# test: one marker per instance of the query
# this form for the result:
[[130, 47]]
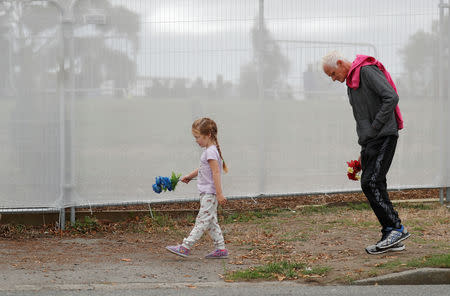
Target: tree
[[35, 27], [421, 62], [198, 88], [179, 88], [275, 67], [95, 55], [31, 30], [5, 48]]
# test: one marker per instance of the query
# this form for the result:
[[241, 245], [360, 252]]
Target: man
[[374, 99]]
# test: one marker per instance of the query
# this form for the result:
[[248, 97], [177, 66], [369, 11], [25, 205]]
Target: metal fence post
[[443, 99], [68, 178], [67, 41], [261, 89], [448, 102]]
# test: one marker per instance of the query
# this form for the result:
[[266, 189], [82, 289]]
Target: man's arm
[[378, 83]]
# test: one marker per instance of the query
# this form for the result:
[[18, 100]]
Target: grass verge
[[439, 261], [277, 271]]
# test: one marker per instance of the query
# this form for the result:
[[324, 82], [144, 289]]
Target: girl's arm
[[214, 164], [186, 179]]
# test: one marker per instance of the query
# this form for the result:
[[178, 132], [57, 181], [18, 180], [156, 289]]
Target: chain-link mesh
[[97, 97]]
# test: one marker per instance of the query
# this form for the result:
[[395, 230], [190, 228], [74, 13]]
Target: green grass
[[248, 216], [417, 206], [351, 223], [295, 237], [327, 209], [360, 206], [319, 270], [20, 228], [274, 270], [390, 264], [418, 228], [87, 225], [308, 210], [162, 220], [439, 260]]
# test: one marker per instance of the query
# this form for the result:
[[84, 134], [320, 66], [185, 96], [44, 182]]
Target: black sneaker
[[373, 250], [394, 237]]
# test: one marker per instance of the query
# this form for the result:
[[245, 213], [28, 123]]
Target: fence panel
[[98, 96]]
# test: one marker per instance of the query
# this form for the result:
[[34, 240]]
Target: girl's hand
[[221, 199], [186, 179]]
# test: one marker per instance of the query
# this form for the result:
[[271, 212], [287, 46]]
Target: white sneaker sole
[[176, 253], [393, 244], [382, 251]]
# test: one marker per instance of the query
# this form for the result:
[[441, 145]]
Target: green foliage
[[436, 260], [439, 260], [418, 206], [174, 179], [162, 220], [276, 270], [275, 65], [362, 206], [248, 216], [319, 270], [88, 225]]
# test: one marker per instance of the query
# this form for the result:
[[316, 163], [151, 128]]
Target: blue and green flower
[[166, 183]]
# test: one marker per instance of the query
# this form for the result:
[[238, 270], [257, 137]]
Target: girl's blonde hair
[[207, 127]]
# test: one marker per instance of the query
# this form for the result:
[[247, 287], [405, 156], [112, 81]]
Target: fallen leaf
[[126, 259]]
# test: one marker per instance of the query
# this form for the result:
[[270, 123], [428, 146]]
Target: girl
[[209, 186]]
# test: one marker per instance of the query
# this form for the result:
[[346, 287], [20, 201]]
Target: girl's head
[[204, 131]]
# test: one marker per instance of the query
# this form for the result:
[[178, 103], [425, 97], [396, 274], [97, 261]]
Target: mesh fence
[[98, 97]]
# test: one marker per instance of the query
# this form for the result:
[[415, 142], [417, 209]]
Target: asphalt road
[[224, 289]]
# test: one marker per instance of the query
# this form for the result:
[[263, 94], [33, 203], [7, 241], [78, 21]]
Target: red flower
[[354, 167]]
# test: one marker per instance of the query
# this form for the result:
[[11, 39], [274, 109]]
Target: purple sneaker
[[179, 250], [217, 254]]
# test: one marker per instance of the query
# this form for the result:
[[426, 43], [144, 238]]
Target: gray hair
[[331, 58]]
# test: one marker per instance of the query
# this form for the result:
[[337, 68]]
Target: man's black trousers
[[376, 158]]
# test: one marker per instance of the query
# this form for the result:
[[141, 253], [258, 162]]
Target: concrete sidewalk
[[170, 273], [225, 289]]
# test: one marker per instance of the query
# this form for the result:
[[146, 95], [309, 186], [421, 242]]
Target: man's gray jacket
[[373, 104]]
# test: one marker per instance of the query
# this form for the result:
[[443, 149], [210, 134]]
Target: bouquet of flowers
[[166, 183], [354, 167]]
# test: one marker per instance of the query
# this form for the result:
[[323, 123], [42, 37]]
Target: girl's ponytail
[[224, 166]]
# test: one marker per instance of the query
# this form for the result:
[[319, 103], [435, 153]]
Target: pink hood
[[353, 79]]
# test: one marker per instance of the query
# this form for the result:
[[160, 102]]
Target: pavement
[[225, 289], [168, 277]]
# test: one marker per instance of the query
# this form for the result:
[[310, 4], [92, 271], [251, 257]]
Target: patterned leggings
[[206, 220]]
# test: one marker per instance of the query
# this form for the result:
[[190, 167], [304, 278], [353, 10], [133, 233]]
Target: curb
[[421, 276], [139, 286]]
